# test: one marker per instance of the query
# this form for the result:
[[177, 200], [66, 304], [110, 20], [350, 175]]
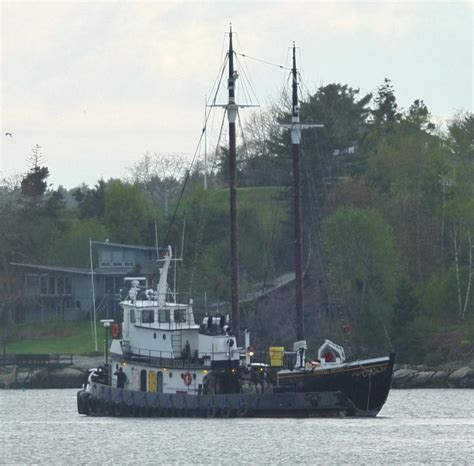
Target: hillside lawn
[[54, 337]]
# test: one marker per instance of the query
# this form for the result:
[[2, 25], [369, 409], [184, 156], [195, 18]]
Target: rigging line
[[268, 255], [218, 81], [202, 218], [242, 83], [246, 78], [244, 140], [262, 61], [186, 179]]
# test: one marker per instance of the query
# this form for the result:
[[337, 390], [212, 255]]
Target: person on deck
[[121, 378]]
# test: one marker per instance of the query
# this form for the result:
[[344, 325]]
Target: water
[[415, 426]]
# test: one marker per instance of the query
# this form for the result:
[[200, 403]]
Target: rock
[[463, 378], [68, 377], [421, 379], [402, 378], [439, 380]]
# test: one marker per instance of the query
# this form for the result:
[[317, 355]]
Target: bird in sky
[[9, 134]]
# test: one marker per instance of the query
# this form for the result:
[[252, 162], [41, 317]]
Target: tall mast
[[295, 127], [234, 259], [298, 235]]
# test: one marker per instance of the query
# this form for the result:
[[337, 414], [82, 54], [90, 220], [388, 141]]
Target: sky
[[99, 84]]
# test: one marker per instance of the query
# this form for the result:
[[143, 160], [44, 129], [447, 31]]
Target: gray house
[[66, 292]]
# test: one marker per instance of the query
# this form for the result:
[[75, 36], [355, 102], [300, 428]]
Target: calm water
[[415, 426]]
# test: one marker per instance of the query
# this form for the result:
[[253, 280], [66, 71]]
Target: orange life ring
[[116, 330], [188, 378]]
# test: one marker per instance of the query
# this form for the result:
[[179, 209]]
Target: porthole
[[164, 336], [171, 375], [154, 336]]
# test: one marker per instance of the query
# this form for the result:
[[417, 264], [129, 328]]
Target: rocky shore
[[426, 377], [66, 377], [404, 377]]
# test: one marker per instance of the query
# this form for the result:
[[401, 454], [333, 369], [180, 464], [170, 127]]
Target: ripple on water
[[415, 426]]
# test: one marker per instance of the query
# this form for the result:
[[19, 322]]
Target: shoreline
[[454, 375], [450, 376]]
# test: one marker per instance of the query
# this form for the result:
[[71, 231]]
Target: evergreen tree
[[386, 107]]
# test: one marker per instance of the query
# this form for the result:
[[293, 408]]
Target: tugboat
[[163, 363]]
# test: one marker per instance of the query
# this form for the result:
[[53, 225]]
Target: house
[[66, 292]]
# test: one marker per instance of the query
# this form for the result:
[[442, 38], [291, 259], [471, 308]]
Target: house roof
[[75, 270], [125, 246], [52, 268]]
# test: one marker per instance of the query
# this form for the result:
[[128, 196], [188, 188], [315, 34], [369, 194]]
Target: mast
[[234, 259], [295, 127], [298, 235]]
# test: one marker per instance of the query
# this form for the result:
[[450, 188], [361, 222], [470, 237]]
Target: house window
[[60, 285], [67, 285], [51, 285], [180, 315], [44, 284], [71, 304], [148, 316], [164, 316]]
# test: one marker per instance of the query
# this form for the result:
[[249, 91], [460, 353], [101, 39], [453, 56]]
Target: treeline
[[389, 218]]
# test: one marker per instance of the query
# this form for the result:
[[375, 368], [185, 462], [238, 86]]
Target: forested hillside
[[389, 220]]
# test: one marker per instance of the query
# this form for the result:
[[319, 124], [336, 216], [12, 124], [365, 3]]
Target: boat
[[163, 363]]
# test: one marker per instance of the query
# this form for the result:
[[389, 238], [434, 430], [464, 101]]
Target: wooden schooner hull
[[365, 384]]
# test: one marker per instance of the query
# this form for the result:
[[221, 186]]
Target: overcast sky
[[98, 84]]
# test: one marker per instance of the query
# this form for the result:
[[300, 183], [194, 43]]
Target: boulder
[[439, 379], [68, 377], [421, 379], [461, 378], [402, 378]]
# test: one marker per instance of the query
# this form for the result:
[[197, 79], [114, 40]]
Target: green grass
[[54, 337]]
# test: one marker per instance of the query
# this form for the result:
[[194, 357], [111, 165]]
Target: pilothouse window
[[164, 316], [180, 315], [148, 316]]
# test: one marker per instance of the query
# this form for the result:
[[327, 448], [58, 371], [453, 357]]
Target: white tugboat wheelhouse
[[159, 346]]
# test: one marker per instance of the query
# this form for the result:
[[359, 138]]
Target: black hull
[[103, 400], [366, 385]]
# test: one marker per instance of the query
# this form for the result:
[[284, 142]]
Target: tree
[[460, 207], [405, 310], [34, 184], [72, 248], [126, 212], [160, 176], [386, 112], [91, 201], [419, 116], [54, 204], [361, 258]]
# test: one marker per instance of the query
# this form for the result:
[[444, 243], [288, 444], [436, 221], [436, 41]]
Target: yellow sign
[[151, 381]]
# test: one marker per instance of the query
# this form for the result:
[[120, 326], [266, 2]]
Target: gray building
[[66, 292]]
